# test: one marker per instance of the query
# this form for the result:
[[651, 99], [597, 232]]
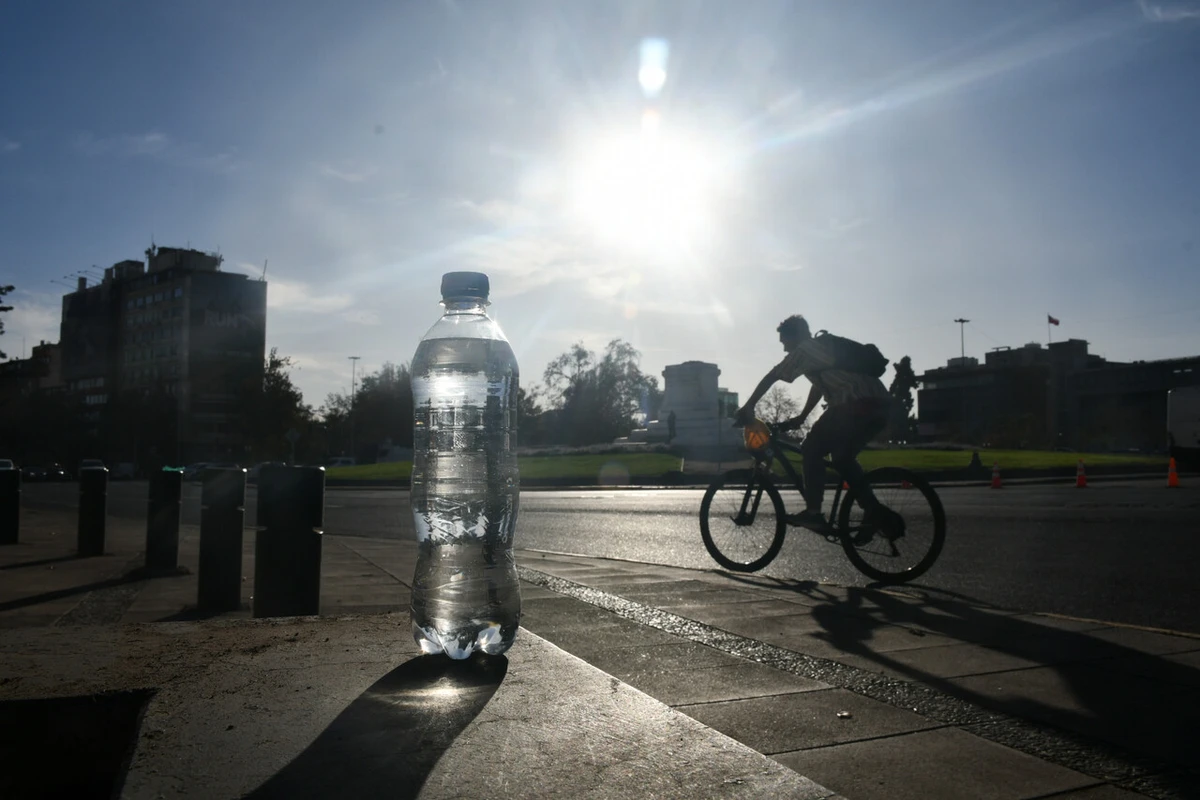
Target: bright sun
[[650, 192]]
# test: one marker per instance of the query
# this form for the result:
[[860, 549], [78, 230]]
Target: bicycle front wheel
[[742, 520], [880, 548]]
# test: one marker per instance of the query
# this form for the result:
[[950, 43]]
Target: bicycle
[[744, 536]]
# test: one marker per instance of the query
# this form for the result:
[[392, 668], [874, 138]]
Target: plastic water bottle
[[465, 485]]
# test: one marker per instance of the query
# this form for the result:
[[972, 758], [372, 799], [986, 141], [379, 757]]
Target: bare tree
[[777, 405]]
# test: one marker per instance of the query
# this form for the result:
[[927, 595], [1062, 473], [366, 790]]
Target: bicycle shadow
[[1076, 680], [387, 742]]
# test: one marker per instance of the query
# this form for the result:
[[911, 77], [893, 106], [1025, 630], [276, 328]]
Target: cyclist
[[857, 410]]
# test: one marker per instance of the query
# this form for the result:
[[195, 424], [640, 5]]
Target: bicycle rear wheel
[[742, 520], [874, 544]]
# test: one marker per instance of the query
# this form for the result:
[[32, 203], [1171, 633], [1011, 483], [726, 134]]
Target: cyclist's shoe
[[813, 520], [881, 520]]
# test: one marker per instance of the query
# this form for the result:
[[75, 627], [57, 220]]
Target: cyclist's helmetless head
[[793, 331]]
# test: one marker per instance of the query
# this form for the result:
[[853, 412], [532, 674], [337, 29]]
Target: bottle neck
[[465, 305]]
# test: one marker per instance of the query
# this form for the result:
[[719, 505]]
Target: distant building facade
[[174, 342], [21, 378], [1055, 396]]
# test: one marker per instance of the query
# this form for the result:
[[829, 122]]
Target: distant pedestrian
[[670, 427]]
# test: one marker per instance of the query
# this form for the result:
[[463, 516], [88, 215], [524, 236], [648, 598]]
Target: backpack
[[853, 356]]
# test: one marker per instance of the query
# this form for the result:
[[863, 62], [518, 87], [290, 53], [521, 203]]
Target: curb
[[702, 481]]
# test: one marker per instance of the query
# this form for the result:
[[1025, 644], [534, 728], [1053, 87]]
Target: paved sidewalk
[[873, 694]]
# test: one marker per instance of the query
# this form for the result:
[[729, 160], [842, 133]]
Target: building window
[[179, 291], [140, 301]]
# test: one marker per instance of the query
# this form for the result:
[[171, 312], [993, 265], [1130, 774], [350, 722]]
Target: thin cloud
[[782, 265], [8, 145], [1155, 12], [945, 79], [347, 175], [294, 296], [361, 317], [159, 146]]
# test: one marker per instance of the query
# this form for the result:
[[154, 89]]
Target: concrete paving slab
[[1085, 699], [615, 633], [315, 706], [714, 684], [668, 659], [683, 601], [1052, 647], [775, 627], [946, 661], [719, 613], [853, 636], [806, 593], [530, 591], [1180, 669], [1105, 792], [560, 610], [1060, 623], [1144, 641], [898, 768], [783, 723], [626, 578]]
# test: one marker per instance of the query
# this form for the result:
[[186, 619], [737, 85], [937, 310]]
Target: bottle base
[[460, 645]]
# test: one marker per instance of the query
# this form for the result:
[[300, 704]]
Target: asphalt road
[[1120, 552]]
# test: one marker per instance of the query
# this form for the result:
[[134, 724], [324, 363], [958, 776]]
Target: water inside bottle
[[465, 491]]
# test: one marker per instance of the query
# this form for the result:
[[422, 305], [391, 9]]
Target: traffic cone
[[845, 485], [1172, 476], [1080, 478], [996, 476], [905, 484]]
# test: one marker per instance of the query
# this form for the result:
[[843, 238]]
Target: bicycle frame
[[770, 454]]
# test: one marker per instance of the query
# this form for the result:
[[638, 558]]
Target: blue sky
[[882, 168]]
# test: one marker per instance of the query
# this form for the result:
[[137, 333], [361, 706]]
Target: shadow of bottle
[[386, 742]]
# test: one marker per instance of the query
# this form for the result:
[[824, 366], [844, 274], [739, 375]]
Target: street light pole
[[962, 342], [353, 364]]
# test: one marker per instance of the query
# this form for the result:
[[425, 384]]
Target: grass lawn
[[934, 460], [614, 467], [391, 471]]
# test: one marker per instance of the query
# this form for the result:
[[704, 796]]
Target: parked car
[[192, 471], [90, 463], [341, 461], [7, 463], [123, 471], [31, 473], [57, 472], [253, 472]]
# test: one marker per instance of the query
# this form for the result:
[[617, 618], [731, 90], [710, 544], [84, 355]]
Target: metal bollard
[[10, 505], [162, 520], [222, 515], [93, 507], [287, 553]]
